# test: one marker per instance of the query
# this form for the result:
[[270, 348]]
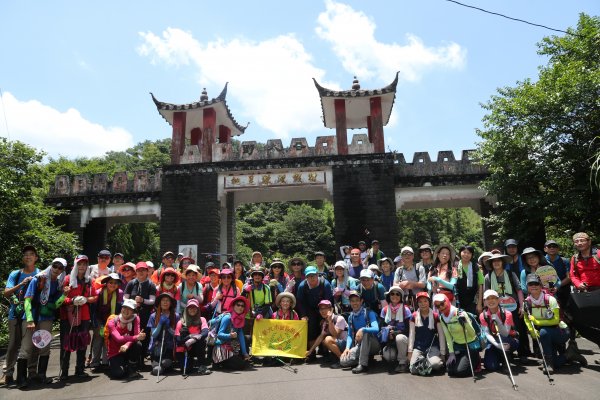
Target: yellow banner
[[278, 338]]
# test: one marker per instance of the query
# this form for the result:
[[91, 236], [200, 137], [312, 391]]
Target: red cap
[[141, 265], [422, 294]]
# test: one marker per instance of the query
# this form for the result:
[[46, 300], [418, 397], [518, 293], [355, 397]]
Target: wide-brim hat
[[531, 250], [129, 303], [257, 270], [169, 296], [112, 275], [445, 246], [505, 260], [340, 264], [127, 265], [171, 271], [277, 262], [237, 300], [192, 268], [227, 271], [394, 289], [388, 259], [293, 259], [289, 295]]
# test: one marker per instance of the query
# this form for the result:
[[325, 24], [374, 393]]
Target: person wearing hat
[[334, 332], [239, 272], [226, 292], [469, 282], [257, 259], [310, 292], [184, 262], [190, 338], [532, 260], [168, 282], [459, 334], [110, 299], [585, 264], [142, 290], [375, 271], [423, 328], [355, 265], [481, 262], [374, 254], [210, 285], [43, 297], [75, 316], [511, 249], [97, 273], [260, 297], [126, 274], [372, 293], [277, 277], [386, 277], [162, 324], [322, 266], [103, 266], [345, 253], [545, 324], [118, 260], [443, 275], [362, 247], [16, 287], [426, 254], [230, 351], [342, 284], [189, 288], [151, 268], [562, 267], [296, 267], [124, 342], [397, 318], [285, 303], [168, 261], [361, 342], [410, 278], [497, 322]]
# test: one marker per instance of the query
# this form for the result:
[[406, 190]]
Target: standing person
[[364, 252], [342, 284], [257, 260], [410, 278], [374, 254], [371, 292], [497, 322], [511, 249], [296, 266], [443, 275], [161, 324], [118, 261], [143, 291], [460, 334], [168, 282], [168, 261], [189, 288], [110, 299], [469, 283], [386, 265], [124, 342], [184, 263], [345, 253], [334, 332], [544, 323], [43, 297], [355, 263], [361, 343], [16, 287], [190, 337], [226, 292], [424, 326], [426, 254], [210, 288], [239, 271], [532, 260], [230, 349], [97, 272], [103, 267], [481, 262], [260, 298], [322, 266], [310, 293], [75, 317], [126, 274], [562, 267], [397, 317], [277, 278]]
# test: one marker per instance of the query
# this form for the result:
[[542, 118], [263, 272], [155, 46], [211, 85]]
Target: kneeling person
[[190, 335], [334, 332], [123, 341], [496, 321]]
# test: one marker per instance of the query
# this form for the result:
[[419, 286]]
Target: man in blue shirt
[[372, 293], [311, 291], [362, 342]]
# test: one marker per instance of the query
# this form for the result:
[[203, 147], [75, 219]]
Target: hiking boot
[[360, 369], [203, 370], [41, 370], [573, 354], [22, 381], [80, 373], [6, 380], [401, 368], [336, 365]]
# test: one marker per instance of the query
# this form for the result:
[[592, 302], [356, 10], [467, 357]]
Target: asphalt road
[[317, 381]]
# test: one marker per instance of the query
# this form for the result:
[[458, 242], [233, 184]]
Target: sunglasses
[[296, 263], [126, 269], [226, 277], [407, 253], [58, 266], [437, 304], [239, 305], [279, 266], [533, 284], [395, 294]]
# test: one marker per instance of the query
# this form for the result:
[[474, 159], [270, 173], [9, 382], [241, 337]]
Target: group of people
[[445, 311]]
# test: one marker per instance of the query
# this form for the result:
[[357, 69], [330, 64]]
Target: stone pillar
[[178, 141], [94, 238], [376, 125], [341, 133], [364, 200], [190, 211], [230, 224], [208, 133], [224, 134], [488, 232]]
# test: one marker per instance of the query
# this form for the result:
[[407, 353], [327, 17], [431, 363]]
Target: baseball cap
[[141, 265], [310, 271], [366, 273], [407, 248], [61, 261], [104, 253], [168, 253], [324, 303], [511, 242], [550, 242], [490, 293], [533, 278], [319, 253]]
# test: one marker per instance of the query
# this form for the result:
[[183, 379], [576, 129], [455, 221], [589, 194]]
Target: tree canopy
[[540, 140]]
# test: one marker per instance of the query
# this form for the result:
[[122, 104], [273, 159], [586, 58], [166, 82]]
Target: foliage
[[539, 141], [136, 241]]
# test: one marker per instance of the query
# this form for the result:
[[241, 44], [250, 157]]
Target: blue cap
[[310, 271]]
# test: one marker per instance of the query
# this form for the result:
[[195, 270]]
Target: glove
[[259, 317], [532, 318], [451, 359], [248, 288], [79, 300], [190, 342], [273, 283], [164, 320]]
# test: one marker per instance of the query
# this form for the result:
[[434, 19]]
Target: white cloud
[[272, 79], [352, 35], [60, 133]]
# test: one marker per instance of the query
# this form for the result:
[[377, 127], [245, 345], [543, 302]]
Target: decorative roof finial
[[355, 84], [204, 96]]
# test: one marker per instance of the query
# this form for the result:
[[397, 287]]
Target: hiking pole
[[537, 339], [162, 343], [285, 365], [512, 379], [184, 372], [461, 320]]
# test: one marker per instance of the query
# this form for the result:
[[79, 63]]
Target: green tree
[[539, 141]]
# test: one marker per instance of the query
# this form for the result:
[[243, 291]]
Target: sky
[[75, 76]]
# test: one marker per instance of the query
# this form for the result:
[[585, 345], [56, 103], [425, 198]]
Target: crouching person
[[334, 332], [460, 336], [426, 338], [124, 342], [397, 317], [162, 324], [496, 321], [230, 346], [190, 335], [362, 342]]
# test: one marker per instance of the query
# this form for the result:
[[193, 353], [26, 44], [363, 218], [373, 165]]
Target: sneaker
[[360, 369], [80, 373], [336, 365], [572, 354], [401, 368], [7, 380], [203, 370]]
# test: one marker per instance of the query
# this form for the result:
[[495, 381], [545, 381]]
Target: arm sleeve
[[374, 328], [523, 281], [224, 334], [411, 336], [448, 285], [242, 340], [28, 313], [448, 337]]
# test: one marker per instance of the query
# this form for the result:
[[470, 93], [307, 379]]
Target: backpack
[[213, 329], [475, 345], [367, 320]]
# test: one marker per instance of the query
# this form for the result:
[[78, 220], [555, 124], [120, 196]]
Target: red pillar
[[341, 133], [195, 136], [376, 125], [224, 134], [209, 133], [178, 139]]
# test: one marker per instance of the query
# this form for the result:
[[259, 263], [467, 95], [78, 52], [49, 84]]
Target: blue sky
[[75, 77]]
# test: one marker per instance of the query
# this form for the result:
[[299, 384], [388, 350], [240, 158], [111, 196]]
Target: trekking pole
[[537, 339], [286, 366], [461, 320], [184, 372], [512, 379], [162, 343]]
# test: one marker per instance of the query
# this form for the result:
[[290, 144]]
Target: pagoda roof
[[195, 117], [357, 100]]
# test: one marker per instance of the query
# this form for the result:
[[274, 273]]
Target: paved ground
[[316, 381]]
